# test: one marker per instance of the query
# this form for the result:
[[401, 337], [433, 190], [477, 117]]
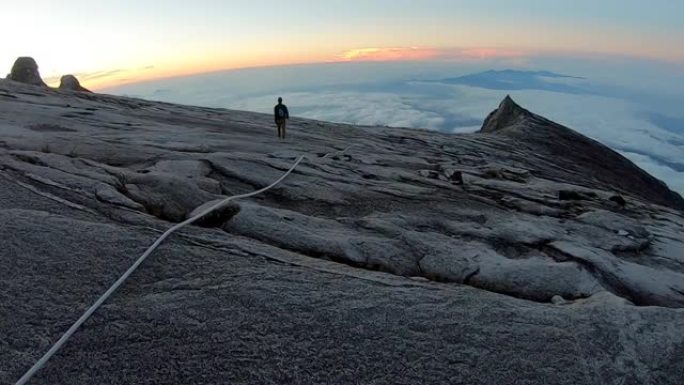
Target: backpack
[[281, 112]]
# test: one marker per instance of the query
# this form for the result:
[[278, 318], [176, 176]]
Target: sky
[[107, 43]]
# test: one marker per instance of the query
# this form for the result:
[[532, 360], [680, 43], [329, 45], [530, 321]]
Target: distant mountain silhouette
[[512, 80]]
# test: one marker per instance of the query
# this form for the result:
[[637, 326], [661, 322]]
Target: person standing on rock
[[281, 116]]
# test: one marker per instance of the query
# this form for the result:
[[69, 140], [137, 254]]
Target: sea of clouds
[[634, 107]]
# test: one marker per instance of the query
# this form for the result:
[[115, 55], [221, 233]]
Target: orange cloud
[[388, 54], [420, 53]]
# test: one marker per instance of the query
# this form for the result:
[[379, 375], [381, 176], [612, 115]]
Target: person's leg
[[284, 127], [280, 128]]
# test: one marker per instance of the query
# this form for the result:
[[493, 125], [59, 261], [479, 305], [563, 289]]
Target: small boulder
[[618, 200], [70, 83], [506, 173], [455, 176], [559, 300], [25, 70]]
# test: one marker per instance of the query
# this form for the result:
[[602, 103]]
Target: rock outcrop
[[389, 255], [508, 114], [559, 147], [71, 83], [25, 70]]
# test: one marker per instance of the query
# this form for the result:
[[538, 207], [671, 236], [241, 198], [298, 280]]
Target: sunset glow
[[131, 41]]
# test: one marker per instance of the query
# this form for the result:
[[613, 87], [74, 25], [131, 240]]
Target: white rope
[[58, 345]]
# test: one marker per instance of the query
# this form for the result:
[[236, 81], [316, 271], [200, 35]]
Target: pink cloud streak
[[422, 53]]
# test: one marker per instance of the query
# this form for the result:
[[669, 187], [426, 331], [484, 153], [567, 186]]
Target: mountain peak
[[509, 113], [567, 149]]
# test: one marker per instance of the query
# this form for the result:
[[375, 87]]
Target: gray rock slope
[[390, 256]]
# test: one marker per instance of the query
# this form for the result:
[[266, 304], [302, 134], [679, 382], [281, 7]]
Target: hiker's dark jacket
[[280, 111]]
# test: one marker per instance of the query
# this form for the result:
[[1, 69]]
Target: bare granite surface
[[524, 254]]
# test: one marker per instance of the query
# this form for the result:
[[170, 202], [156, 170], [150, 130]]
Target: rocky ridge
[[486, 235], [25, 70]]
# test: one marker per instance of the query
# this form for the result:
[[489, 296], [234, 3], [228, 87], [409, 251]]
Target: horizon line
[[431, 54]]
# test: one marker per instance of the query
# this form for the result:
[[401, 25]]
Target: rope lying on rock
[[58, 345]]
